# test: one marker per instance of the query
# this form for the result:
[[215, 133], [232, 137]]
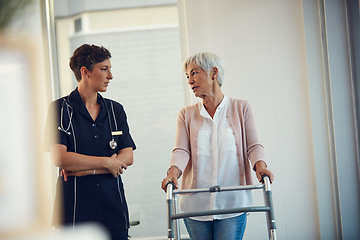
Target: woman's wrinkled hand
[[172, 176], [261, 170]]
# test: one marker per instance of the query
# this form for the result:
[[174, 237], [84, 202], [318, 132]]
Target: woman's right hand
[[115, 166], [172, 176], [65, 173]]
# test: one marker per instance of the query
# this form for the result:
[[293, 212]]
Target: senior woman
[[215, 139]]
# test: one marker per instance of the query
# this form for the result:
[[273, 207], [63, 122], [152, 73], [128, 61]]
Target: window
[[78, 25], [354, 39]]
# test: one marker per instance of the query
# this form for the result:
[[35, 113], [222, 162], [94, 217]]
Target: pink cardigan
[[241, 121]]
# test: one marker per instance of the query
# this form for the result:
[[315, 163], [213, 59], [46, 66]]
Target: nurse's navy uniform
[[98, 198]]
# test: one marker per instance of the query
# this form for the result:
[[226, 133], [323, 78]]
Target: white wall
[[267, 56]]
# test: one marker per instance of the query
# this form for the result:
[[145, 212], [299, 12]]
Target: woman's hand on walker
[[172, 176], [260, 168]]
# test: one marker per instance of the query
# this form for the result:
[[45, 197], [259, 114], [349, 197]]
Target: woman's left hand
[[261, 170]]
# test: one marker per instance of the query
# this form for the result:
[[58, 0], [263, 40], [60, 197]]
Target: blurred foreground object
[[25, 178], [9, 9]]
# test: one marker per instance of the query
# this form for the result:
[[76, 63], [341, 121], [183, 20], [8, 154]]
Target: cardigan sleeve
[[181, 153], [255, 150]]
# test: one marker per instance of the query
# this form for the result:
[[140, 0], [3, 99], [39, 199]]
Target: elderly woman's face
[[200, 82]]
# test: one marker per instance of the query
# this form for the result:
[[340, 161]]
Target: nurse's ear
[[84, 72]]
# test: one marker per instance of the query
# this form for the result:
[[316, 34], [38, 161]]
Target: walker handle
[[173, 185], [263, 177]]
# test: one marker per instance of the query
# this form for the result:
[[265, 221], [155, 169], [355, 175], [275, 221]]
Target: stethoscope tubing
[[66, 103], [112, 143]]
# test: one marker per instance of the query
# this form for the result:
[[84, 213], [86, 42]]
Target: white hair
[[207, 61]]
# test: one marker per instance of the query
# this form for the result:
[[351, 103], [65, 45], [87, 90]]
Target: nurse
[[93, 147]]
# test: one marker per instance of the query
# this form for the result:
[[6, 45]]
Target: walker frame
[[174, 215]]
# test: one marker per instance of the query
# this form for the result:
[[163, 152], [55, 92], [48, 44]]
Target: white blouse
[[217, 166]]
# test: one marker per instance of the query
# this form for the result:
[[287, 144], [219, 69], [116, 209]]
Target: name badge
[[117, 133]]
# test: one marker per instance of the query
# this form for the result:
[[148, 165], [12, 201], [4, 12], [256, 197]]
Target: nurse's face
[[100, 76]]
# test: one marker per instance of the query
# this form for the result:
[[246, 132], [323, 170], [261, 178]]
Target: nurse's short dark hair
[[87, 56]]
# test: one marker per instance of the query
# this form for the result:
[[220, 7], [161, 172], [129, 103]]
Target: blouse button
[[94, 125], [96, 136]]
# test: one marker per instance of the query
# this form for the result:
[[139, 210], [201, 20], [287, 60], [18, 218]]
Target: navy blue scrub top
[[98, 198]]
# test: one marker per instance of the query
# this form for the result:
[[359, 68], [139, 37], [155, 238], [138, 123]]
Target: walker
[[174, 216]]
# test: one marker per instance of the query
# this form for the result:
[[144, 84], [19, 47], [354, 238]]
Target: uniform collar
[[78, 104]]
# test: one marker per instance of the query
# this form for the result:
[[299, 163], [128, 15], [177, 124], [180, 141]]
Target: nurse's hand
[[66, 173], [114, 166]]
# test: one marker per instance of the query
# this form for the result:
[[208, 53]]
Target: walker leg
[[177, 221], [272, 234], [170, 211], [270, 214]]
